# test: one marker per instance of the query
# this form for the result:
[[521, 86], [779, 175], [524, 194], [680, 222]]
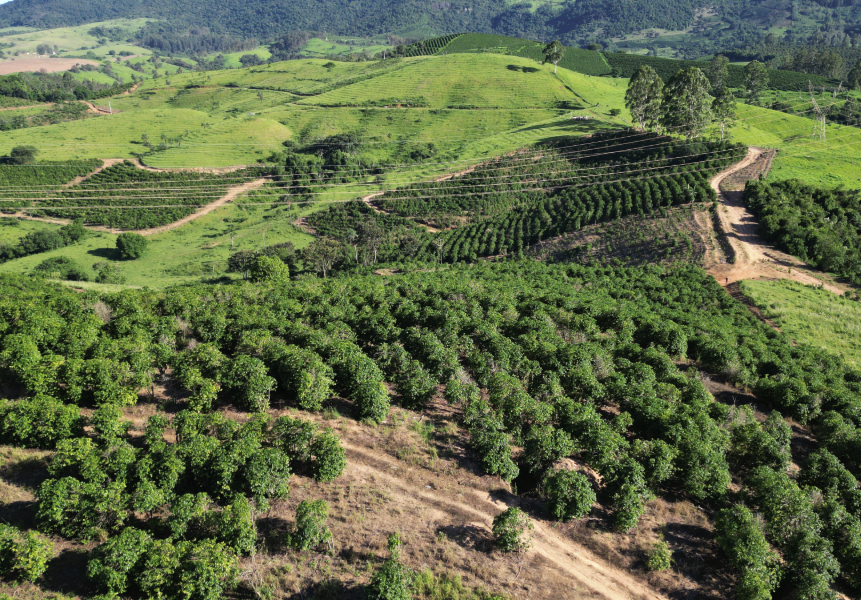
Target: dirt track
[[232, 194], [575, 562], [754, 258]]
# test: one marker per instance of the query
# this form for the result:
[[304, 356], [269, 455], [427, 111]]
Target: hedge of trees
[[625, 65], [35, 242], [534, 355], [55, 87], [819, 226]]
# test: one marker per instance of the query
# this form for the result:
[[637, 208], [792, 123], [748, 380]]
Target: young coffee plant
[[511, 529]]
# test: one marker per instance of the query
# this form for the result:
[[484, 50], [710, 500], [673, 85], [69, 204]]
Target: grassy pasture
[[199, 249], [319, 47], [837, 161], [810, 315], [12, 230], [75, 40], [458, 81]]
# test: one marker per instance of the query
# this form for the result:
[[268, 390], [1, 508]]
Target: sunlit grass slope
[[836, 161], [198, 249], [458, 81], [810, 315], [71, 40]]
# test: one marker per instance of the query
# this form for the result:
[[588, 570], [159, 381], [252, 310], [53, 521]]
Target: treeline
[[819, 226], [55, 87], [625, 65], [559, 360], [36, 242], [569, 22], [831, 61]]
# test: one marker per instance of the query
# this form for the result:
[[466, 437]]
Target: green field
[[199, 249], [837, 161], [473, 106], [810, 315], [317, 47], [11, 230], [72, 41]]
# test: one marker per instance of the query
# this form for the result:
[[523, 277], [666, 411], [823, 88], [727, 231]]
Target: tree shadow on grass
[[469, 536], [66, 573], [106, 253]]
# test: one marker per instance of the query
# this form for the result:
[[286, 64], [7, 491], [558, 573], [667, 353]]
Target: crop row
[[111, 195]]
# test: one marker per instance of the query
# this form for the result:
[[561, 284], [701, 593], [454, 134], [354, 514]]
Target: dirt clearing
[[34, 64]]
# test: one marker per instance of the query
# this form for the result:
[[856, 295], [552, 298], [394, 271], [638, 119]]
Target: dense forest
[[369, 17], [542, 362]]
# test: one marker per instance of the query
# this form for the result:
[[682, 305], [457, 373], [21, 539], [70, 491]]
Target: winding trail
[[231, 195], [754, 257]]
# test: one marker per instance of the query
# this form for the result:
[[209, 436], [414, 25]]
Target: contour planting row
[[544, 362], [110, 197]]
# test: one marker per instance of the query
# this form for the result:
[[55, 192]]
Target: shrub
[[328, 456], [24, 556], [60, 267], [739, 534], [236, 526], [39, 422], [659, 557], [301, 372], [310, 529], [72, 508], [510, 530], [113, 563], [248, 378], [108, 273], [269, 268], [393, 580], [22, 155], [268, 474], [131, 246], [570, 495]]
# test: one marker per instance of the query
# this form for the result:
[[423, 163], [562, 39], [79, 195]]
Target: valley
[[454, 323]]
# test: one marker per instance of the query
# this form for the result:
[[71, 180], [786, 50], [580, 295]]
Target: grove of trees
[[533, 356]]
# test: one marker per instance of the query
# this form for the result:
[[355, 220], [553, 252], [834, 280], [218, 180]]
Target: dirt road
[[754, 258]]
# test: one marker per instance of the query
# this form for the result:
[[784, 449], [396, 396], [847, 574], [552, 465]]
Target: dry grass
[[414, 474]]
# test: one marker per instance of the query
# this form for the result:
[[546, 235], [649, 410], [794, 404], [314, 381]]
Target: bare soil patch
[[34, 64]]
